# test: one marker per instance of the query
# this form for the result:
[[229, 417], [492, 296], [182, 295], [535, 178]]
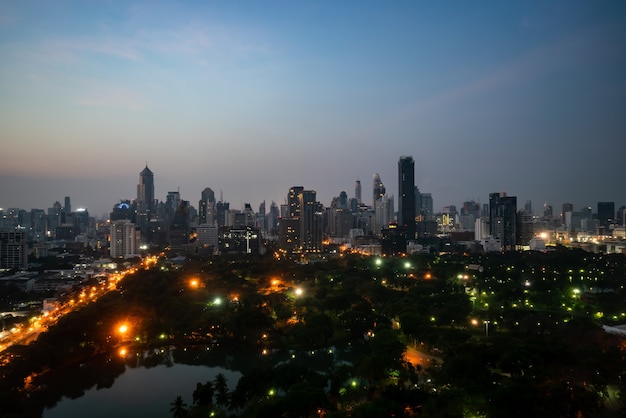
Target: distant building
[[123, 210], [123, 239], [13, 250], [310, 222], [427, 206], [525, 228], [207, 207], [145, 197], [378, 189], [246, 240], [606, 213], [208, 237], [357, 192], [503, 219], [406, 196]]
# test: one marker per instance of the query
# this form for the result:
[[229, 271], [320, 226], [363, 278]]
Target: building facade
[[406, 196], [503, 219]]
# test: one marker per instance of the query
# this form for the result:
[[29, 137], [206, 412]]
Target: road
[[25, 333]]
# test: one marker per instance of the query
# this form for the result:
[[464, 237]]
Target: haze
[[254, 97]]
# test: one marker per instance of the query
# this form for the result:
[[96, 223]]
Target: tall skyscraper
[[206, 207], [68, 206], [406, 195], [503, 219], [310, 222], [357, 191], [378, 189], [294, 202], [145, 197]]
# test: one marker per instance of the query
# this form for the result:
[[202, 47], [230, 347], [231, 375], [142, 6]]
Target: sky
[[250, 98]]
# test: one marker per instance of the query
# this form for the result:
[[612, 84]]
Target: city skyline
[[252, 99]]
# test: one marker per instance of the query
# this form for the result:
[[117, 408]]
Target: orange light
[[194, 283], [123, 329]]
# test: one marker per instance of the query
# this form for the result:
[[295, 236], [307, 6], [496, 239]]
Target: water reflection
[[147, 386]]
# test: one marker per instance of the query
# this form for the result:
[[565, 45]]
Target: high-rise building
[[68, 206], [293, 201], [206, 207], [179, 226], [272, 216], [145, 197], [383, 214], [427, 205], [528, 207], [406, 196], [503, 219], [620, 218], [547, 211], [525, 227], [378, 189], [310, 222], [566, 207], [123, 239], [221, 208], [606, 213], [357, 191]]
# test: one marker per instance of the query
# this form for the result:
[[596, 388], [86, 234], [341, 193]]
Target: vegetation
[[514, 334]]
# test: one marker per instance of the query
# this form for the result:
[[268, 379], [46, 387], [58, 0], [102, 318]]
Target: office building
[[503, 219], [123, 239], [606, 213], [378, 189], [207, 207], [13, 250], [145, 197], [406, 196], [310, 222]]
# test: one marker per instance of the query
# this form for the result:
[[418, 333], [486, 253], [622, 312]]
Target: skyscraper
[[378, 189], [357, 191], [68, 206], [123, 239], [606, 213], [294, 202], [145, 197], [310, 222], [406, 195], [503, 219], [206, 207]]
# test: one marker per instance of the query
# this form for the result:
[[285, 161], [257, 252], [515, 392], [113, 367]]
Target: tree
[[221, 389], [179, 408], [203, 395]]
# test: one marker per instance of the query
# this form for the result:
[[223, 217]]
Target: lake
[[141, 392]]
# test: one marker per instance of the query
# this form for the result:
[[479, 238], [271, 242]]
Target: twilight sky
[[252, 97]]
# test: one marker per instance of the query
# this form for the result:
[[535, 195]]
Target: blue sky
[[254, 97]]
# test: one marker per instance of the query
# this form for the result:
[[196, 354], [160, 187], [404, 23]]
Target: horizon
[[253, 99]]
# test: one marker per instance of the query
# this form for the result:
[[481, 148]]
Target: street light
[[486, 328]]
